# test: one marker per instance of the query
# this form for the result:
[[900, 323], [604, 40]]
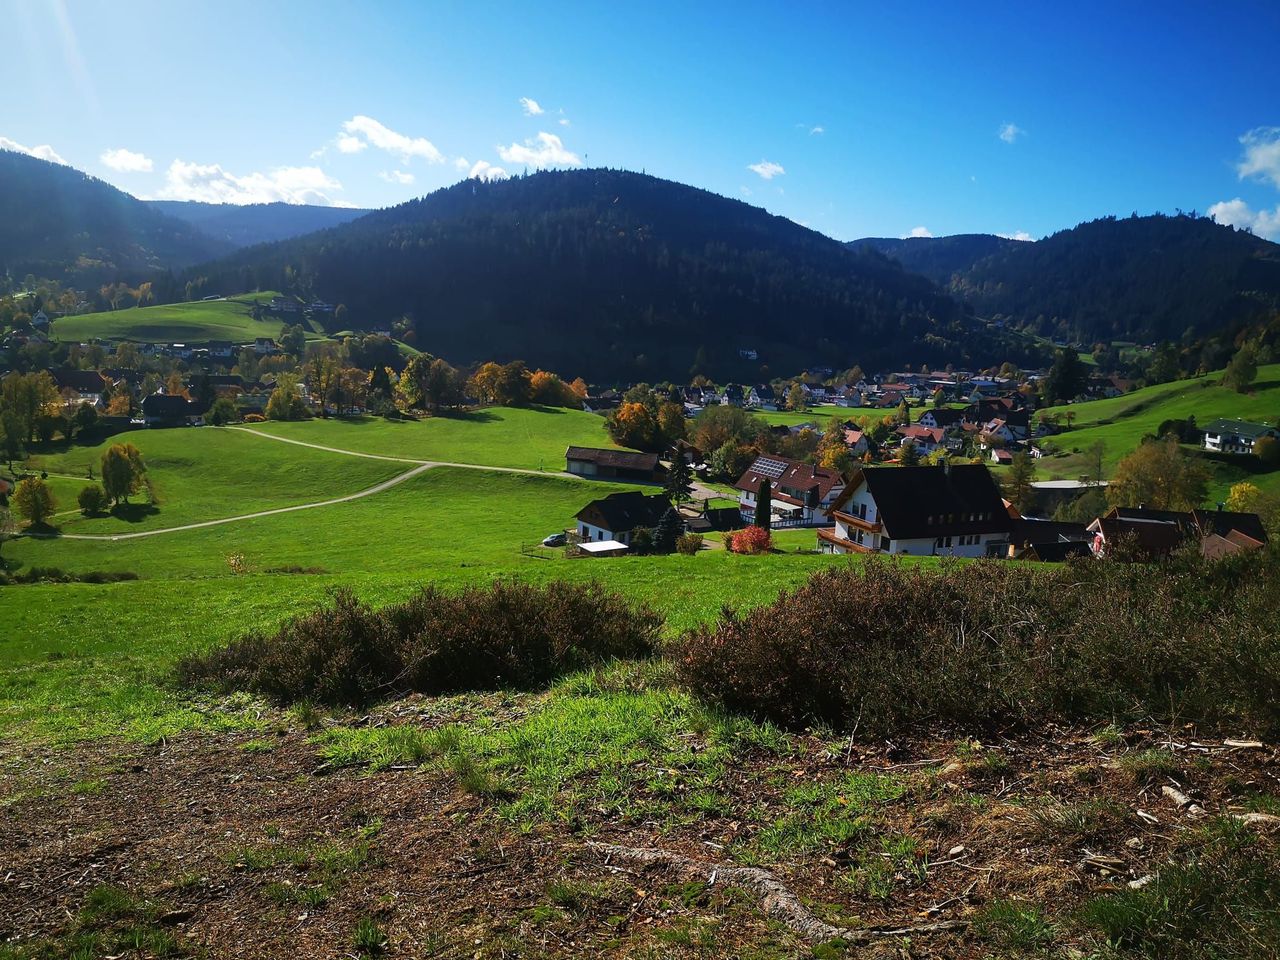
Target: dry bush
[[506, 634], [886, 644]]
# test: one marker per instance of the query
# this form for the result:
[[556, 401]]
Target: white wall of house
[[591, 532]]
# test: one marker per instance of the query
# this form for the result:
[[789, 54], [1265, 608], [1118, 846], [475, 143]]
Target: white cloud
[[919, 232], [544, 150], [1018, 235], [42, 152], [349, 144], [531, 107], [361, 131], [766, 169], [1009, 132], [1237, 213], [484, 170], [563, 121], [397, 176], [212, 184], [817, 131], [461, 163], [126, 161], [1261, 154]]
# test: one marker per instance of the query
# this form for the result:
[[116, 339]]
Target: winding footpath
[[420, 466]]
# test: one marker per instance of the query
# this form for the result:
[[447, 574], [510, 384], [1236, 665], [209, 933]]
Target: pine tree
[[764, 506], [678, 486], [668, 529]]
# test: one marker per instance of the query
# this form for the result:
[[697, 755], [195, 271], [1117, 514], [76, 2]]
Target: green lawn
[[531, 439], [1120, 423], [203, 474], [79, 660], [176, 322]]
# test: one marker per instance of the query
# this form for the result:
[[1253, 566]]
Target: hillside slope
[[248, 224], [1140, 278], [938, 258], [59, 223], [613, 274]]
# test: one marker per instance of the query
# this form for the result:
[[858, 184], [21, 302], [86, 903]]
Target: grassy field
[[80, 660], [176, 322], [203, 474], [1120, 423], [531, 439]]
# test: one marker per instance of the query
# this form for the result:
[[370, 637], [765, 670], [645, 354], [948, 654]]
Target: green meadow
[[1121, 423], [528, 439], [80, 660], [197, 322]]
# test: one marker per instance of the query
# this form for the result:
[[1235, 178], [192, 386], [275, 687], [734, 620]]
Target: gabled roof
[[1225, 522], [620, 512], [1048, 531], [167, 406], [624, 459], [942, 501], [916, 432], [82, 381], [782, 472], [1154, 537], [944, 416], [1246, 429]]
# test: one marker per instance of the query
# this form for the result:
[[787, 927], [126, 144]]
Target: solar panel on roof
[[773, 469]]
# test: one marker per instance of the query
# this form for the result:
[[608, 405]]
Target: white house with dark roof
[[1236, 436], [922, 511]]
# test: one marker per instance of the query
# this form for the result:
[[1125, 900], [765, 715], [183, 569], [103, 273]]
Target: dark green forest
[[1144, 279], [615, 274], [243, 225], [59, 223], [938, 258]]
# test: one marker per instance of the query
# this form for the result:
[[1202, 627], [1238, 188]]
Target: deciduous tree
[[123, 471], [1018, 481], [34, 501], [1161, 476]]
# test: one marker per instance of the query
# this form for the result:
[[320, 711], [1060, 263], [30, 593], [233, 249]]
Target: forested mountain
[[1142, 278], [61, 224], [938, 258], [243, 226], [613, 274]]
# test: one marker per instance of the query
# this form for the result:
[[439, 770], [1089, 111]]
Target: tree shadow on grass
[[134, 512]]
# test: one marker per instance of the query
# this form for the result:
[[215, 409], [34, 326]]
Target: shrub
[[505, 634], [92, 500], [751, 540], [887, 645], [222, 412], [689, 544]]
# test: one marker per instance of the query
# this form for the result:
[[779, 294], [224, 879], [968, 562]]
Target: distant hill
[[60, 223], [938, 258], [610, 274], [1141, 278], [243, 226]]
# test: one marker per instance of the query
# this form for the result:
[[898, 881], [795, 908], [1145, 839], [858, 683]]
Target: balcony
[[858, 522], [849, 546]]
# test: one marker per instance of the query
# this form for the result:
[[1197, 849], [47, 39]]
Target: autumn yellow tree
[[833, 452], [1161, 476], [486, 381], [632, 425]]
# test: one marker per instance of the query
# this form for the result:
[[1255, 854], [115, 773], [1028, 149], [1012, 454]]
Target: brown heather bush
[[506, 634], [885, 645]]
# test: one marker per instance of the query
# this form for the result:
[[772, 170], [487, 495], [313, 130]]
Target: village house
[[941, 418], [923, 511], [1011, 430], [614, 464], [79, 386], [925, 439], [1236, 436], [1157, 533], [170, 410], [800, 492], [619, 516], [856, 440]]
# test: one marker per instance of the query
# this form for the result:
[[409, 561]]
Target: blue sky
[[854, 119]]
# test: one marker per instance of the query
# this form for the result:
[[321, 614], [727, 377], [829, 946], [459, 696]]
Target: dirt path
[[378, 488], [559, 474]]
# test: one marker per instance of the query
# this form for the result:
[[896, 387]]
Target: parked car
[[555, 540]]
